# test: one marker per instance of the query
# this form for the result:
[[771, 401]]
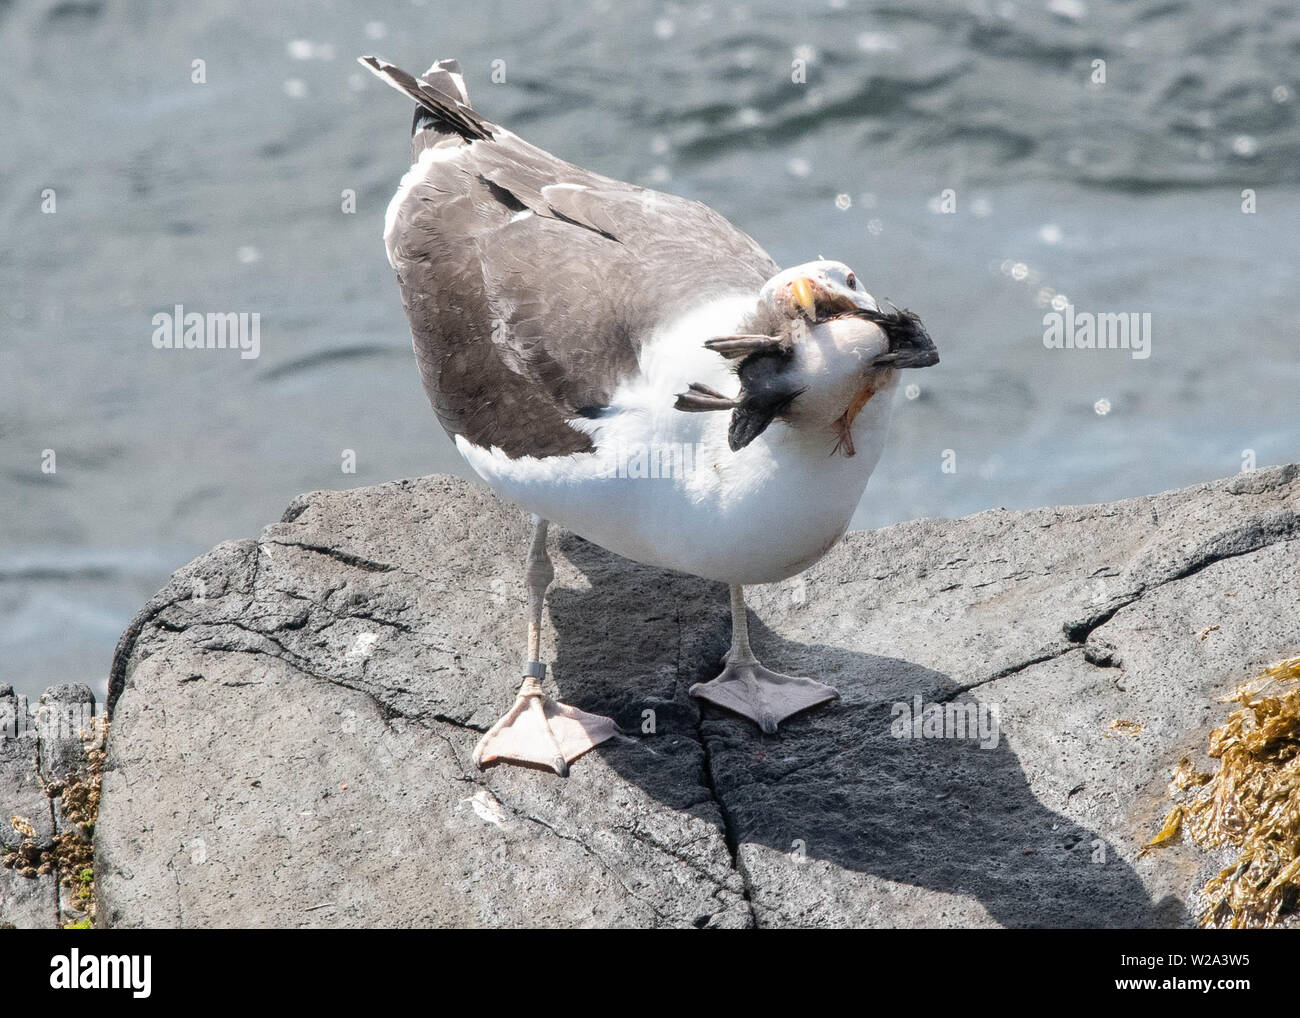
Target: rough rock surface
[[294, 718], [39, 749]]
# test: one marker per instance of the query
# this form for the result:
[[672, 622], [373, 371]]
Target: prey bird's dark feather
[[699, 397], [733, 347]]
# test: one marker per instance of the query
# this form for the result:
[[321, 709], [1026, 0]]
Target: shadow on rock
[[942, 814]]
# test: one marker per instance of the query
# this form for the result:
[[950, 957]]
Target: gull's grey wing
[[530, 283]]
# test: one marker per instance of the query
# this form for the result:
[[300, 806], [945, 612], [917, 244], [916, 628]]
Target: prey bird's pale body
[[629, 364]]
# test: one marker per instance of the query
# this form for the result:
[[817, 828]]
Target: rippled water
[[1117, 196]]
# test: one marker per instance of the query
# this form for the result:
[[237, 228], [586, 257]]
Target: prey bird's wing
[[530, 283]]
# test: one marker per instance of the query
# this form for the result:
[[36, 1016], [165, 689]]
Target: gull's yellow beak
[[802, 291]]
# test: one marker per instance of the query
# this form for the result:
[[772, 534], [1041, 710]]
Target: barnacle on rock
[[71, 854]]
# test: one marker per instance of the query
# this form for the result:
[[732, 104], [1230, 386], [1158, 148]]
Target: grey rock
[[65, 717], [22, 793], [38, 749], [25, 902], [293, 720], [28, 903]]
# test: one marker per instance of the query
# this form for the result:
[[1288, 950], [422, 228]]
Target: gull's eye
[[852, 280]]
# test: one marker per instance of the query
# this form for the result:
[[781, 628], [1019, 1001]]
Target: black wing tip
[[437, 105], [376, 65]]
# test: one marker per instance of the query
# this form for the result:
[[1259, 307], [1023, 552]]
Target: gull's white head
[[817, 347], [799, 288]]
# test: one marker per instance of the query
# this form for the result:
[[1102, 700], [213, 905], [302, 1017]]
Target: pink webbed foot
[[541, 731], [765, 697]]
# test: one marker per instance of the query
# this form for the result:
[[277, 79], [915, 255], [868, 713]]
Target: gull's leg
[[537, 729], [746, 687]]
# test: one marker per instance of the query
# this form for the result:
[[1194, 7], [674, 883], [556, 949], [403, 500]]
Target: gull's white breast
[[757, 515]]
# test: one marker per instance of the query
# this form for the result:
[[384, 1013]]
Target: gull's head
[[816, 290], [816, 349], [839, 315]]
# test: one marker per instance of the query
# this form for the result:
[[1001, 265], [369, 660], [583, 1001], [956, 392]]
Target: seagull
[[628, 364]]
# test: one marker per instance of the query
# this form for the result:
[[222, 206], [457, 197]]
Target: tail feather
[[444, 73], [440, 94]]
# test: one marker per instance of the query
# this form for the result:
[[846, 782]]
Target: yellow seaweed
[[1251, 804]]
